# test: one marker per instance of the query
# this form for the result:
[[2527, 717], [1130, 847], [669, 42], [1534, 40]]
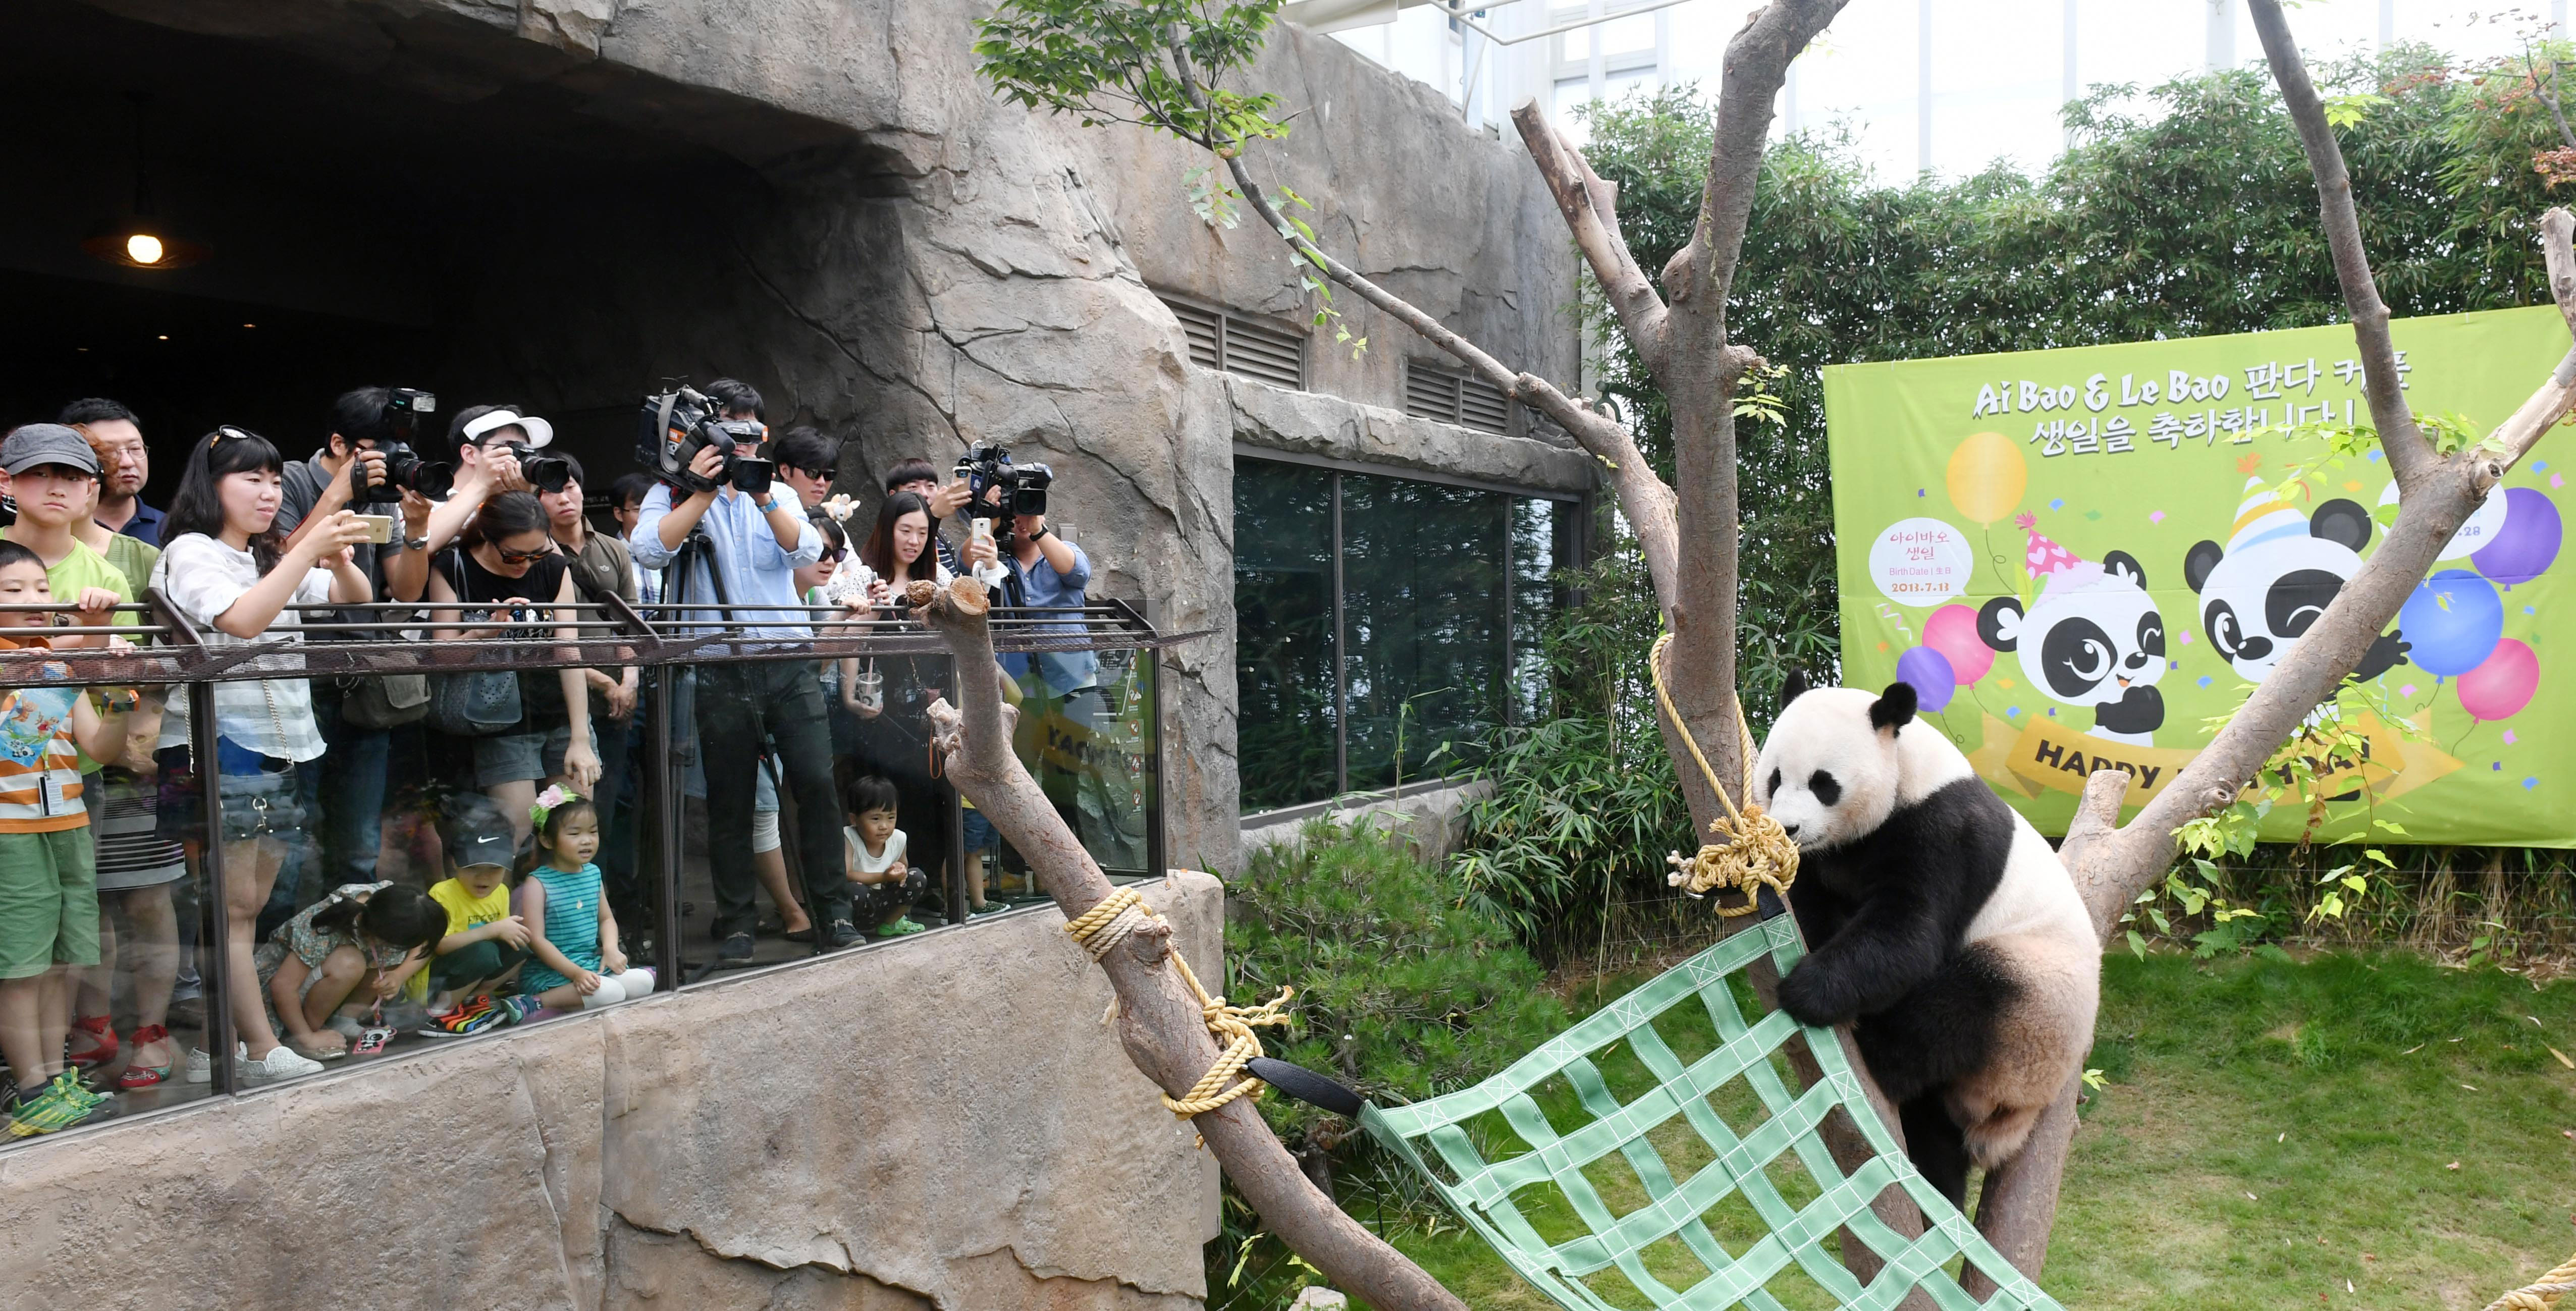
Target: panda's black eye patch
[[1827, 790], [1775, 783]]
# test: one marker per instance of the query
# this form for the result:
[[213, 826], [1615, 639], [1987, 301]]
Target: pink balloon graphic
[[2502, 686], [1952, 631]]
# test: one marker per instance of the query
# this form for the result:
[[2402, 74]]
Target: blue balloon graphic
[[1934, 680], [2454, 620]]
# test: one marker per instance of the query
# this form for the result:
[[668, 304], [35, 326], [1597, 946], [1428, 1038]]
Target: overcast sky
[[1998, 65]]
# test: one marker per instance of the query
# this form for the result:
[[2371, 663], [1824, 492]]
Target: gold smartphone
[[380, 527]]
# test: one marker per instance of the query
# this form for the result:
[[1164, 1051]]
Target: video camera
[[987, 465], [684, 421], [404, 469]]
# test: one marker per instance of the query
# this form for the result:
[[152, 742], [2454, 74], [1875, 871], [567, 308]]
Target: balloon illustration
[[1987, 476], [1952, 631], [1929, 671], [2527, 543], [2454, 620], [2501, 687]]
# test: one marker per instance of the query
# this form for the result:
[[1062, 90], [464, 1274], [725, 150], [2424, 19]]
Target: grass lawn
[[2344, 1131]]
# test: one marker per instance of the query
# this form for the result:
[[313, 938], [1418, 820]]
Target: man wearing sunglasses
[[754, 544], [806, 461]]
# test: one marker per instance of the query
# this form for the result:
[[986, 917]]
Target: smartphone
[[372, 1041], [380, 527]]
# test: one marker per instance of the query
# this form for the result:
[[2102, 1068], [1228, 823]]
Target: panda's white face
[[2257, 604], [2094, 646], [1827, 774]]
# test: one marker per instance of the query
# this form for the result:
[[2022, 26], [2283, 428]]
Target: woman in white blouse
[[227, 570]]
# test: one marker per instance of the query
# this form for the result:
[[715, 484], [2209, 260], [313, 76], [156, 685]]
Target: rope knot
[[1752, 851], [1121, 914]]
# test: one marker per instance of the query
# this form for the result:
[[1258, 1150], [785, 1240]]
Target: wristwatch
[[420, 543], [1042, 531]]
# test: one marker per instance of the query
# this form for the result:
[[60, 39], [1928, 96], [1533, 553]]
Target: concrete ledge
[[1432, 813], [1320, 426], [940, 1123]]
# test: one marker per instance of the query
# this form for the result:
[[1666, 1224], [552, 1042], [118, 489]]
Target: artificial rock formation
[[944, 1123]]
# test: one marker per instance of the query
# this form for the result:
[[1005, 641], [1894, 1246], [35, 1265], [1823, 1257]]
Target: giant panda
[[1936, 918]]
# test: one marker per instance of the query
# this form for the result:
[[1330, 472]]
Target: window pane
[[1423, 597], [1535, 532], [1635, 32], [1283, 651]]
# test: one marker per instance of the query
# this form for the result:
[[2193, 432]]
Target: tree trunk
[[1159, 1023]]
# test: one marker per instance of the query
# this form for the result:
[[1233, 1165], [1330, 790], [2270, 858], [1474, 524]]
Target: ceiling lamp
[[140, 243]]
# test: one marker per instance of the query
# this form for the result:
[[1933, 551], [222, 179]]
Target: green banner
[[2086, 558]]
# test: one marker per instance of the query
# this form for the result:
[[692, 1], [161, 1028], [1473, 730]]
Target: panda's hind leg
[[1939, 1150], [1942, 1031]]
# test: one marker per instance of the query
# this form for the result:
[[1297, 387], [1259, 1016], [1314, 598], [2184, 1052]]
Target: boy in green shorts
[[48, 870]]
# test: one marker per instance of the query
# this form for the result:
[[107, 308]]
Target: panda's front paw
[[1808, 995]]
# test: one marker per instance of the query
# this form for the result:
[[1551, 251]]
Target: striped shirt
[[40, 779]]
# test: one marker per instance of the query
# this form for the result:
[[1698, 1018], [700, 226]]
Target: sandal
[[146, 1076], [779, 929], [102, 1032]]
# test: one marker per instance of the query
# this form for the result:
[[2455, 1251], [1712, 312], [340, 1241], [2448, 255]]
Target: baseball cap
[[47, 443], [539, 431], [477, 843]]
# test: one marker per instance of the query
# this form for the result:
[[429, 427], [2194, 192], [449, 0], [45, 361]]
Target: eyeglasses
[[509, 556]]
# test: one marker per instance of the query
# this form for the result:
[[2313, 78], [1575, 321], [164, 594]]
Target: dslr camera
[[987, 465], [404, 469], [684, 421], [546, 473]]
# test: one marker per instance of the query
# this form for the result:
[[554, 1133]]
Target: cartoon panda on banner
[[1936, 918], [2091, 638], [2260, 593]]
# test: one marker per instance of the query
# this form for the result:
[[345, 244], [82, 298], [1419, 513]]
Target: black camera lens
[[546, 473], [750, 475]]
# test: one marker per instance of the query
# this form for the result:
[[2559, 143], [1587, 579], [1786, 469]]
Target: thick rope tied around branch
[[1751, 850], [2541, 1296], [1118, 917]]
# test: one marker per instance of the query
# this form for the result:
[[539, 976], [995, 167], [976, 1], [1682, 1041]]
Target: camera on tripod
[[405, 408], [684, 421], [987, 465]]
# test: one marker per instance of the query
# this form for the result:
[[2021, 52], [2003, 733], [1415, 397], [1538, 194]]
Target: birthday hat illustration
[[2058, 570], [2264, 515]]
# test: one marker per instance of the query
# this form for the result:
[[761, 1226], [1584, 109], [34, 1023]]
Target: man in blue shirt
[[754, 543], [120, 484], [1059, 690]]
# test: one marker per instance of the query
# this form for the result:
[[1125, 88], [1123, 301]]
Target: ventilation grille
[[1241, 345], [1431, 392]]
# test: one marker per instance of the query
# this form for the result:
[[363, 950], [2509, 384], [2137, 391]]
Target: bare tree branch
[[1591, 209], [1757, 60], [2408, 452], [1159, 1022]]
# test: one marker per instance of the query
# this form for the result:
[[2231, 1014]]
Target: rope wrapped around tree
[[2540, 1296], [1104, 926], [1751, 851]]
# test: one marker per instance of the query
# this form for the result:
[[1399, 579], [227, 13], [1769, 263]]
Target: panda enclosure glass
[[2083, 558]]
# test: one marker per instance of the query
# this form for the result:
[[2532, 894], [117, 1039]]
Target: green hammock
[[1666, 1252]]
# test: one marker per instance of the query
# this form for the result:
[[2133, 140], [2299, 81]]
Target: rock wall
[[943, 1122]]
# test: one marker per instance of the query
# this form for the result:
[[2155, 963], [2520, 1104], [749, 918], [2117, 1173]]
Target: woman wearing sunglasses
[[509, 578]]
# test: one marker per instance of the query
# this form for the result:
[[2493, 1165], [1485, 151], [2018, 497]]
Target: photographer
[[487, 441], [355, 759], [753, 543], [1047, 572]]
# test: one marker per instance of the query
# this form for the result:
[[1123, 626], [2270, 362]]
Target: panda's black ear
[[2126, 566], [2200, 561], [2342, 522], [1999, 623], [1894, 707], [1792, 687]]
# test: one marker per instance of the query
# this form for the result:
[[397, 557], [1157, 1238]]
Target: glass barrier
[[377, 829]]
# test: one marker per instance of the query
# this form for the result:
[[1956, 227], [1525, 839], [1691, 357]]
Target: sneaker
[[846, 934], [516, 1010], [201, 1065], [71, 1086], [736, 949], [899, 927], [281, 1063], [472, 1015], [46, 1111]]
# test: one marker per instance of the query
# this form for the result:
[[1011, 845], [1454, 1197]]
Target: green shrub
[[1402, 990]]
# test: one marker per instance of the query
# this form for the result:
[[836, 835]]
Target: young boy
[[485, 944], [883, 887], [48, 872]]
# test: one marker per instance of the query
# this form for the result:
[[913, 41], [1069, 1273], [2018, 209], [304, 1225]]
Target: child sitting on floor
[[485, 944], [570, 930], [874, 848]]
